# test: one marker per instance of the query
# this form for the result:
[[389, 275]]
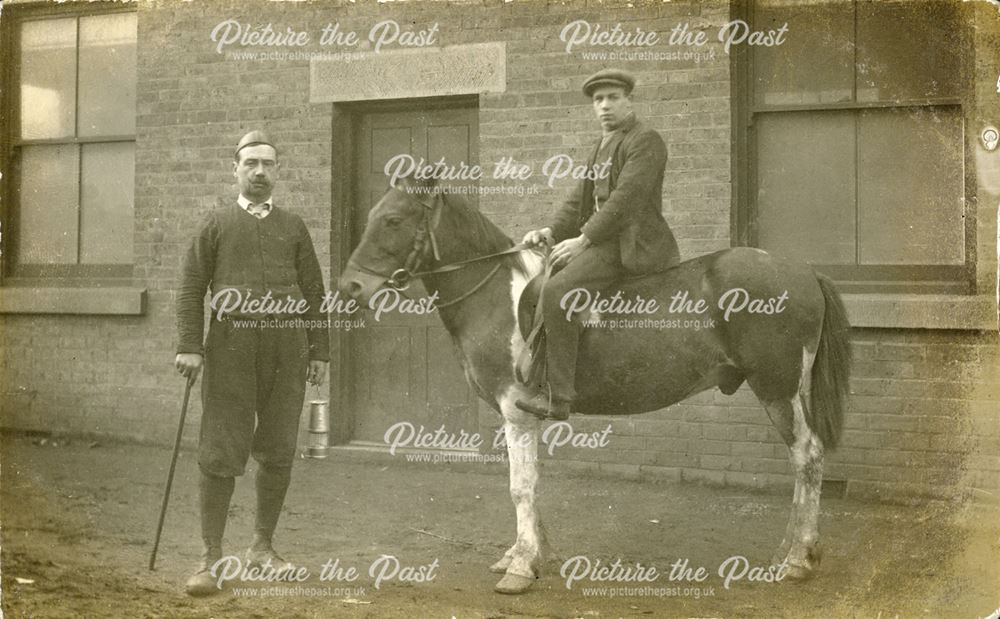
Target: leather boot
[[266, 559], [202, 582], [272, 484], [214, 494]]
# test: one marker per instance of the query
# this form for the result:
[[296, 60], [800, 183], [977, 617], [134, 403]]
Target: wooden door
[[404, 368]]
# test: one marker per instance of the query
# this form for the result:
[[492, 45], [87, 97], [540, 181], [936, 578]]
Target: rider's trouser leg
[[592, 271]]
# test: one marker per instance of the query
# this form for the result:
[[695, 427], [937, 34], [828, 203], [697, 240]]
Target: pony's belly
[[629, 372]]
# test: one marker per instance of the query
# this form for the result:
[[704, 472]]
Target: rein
[[400, 278], [457, 266]]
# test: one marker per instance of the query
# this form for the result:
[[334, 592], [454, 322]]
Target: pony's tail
[[831, 369]]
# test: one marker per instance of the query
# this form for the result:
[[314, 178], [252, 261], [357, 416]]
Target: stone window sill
[[108, 301], [922, 311]]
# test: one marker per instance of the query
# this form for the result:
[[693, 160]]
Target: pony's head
[[398, 239]]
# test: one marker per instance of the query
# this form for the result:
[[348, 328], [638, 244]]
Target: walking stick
[[170, 474]]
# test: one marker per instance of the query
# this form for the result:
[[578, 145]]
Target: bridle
[[425, 240]]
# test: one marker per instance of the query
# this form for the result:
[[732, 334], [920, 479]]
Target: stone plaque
[[400, 74]]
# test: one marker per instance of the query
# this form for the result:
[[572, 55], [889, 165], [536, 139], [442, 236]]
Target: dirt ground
[[78, 520]]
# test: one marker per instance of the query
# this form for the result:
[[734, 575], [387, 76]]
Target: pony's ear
[[410, 184]]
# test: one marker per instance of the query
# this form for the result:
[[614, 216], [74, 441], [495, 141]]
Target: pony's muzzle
[[355, 283], [351, 288]]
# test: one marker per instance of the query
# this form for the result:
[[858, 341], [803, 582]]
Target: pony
[[775, 324]]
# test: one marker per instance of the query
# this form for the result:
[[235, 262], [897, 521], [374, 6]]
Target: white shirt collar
[[245, 205]]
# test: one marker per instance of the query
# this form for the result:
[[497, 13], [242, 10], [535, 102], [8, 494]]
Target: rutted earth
[[78, 519]]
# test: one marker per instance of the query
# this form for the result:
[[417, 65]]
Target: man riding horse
[[788, 339], [607, 229]]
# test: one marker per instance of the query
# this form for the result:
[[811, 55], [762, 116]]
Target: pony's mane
[[486, 237]]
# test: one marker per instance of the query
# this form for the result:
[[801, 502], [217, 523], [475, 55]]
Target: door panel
[[404, 367]]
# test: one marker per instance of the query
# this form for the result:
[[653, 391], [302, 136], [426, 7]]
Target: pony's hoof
[[799, 573], [500, 567], [804, 567], [513, 584]]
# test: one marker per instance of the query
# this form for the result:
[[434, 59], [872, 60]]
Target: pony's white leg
[[500, 567], [799, 547], [807, 458], [782, 415], [521, 563], [802, 535]]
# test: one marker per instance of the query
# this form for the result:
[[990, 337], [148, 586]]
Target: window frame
[[68, 275], [863, 279]]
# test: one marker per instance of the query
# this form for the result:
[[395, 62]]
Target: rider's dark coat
[[629, 201]]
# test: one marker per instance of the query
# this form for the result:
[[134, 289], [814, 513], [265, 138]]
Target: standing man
[[609, 228], [256, 364]]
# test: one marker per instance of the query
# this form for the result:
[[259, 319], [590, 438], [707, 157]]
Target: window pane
[[805, 186], [106, 203], [47, 224], [107, 74], [909, 49], [911, 189], [48, 78], [815, 62]]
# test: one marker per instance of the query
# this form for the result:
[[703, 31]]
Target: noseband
[[425, 239]]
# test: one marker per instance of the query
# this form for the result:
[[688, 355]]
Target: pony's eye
[[393, 221]]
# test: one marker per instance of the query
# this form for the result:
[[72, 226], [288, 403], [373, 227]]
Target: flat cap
[[608, 77], [254, 138]]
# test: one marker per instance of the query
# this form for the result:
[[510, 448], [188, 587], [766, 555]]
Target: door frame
[[346, 121]]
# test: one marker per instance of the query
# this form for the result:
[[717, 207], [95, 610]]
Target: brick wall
[[922, 416]]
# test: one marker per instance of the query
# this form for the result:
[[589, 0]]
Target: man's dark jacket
[[235, 250], [631, 202]]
